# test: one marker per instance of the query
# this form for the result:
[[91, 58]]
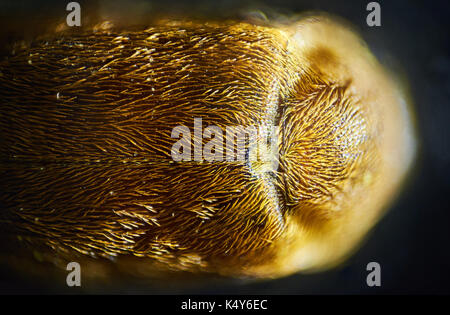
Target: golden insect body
[[85, 146]]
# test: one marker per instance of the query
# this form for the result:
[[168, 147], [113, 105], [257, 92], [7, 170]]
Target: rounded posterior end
[[350, 144]]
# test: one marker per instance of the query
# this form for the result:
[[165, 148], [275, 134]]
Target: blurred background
[[412, 242]]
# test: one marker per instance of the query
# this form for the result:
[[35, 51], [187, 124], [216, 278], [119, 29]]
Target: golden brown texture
[[86, 121]]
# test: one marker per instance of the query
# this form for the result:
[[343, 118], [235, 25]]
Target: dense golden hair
[[85, 140]]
